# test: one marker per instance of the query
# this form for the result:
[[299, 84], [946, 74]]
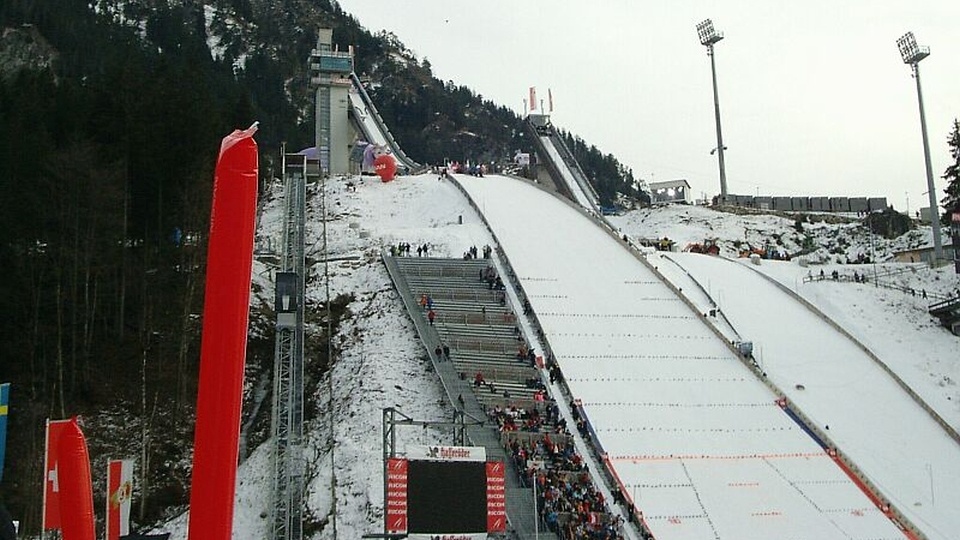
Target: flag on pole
[[4, 408], [51, 474], [533, 98], [119, 495], [550, 99]]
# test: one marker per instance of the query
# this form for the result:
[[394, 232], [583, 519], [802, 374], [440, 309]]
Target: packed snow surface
[[681, 418]]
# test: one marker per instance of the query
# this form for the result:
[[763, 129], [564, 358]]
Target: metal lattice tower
[[290, 464]]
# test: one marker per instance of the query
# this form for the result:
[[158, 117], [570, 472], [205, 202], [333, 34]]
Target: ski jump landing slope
[[697, 441], [898, 445]]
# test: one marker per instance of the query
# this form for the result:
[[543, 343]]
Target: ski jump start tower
[[330, 73]]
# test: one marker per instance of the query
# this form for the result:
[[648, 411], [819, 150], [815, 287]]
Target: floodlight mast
[[912, 54], [708, 37]]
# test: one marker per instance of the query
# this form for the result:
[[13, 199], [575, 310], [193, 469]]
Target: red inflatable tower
[[224, 340]]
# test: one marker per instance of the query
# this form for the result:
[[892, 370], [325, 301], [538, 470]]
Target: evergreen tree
[[952, 175]]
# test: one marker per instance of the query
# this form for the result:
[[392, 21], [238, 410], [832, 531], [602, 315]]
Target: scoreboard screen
[[446, 497], [444, 492]]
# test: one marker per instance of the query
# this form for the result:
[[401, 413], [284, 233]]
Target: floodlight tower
[[912, 54], [708, 37]]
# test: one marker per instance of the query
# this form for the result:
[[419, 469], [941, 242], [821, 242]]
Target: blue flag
[[4, 406]]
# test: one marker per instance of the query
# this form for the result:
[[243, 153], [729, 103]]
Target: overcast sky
[[814, 96]]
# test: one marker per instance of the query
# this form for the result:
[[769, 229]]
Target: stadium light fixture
[[708, 34], [910, 51], [912, 54], [708, 37]]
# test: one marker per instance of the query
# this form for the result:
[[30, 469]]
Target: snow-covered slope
[[895, 325], [381, 364]]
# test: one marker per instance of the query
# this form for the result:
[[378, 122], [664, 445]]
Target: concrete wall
[[783, 204], [877, 204], [820, 204], [341, 132], [839, 204], [809, 204], [859, 204]]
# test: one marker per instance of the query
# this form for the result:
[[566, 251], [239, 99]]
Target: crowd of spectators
[[402, 249], [568, 503]]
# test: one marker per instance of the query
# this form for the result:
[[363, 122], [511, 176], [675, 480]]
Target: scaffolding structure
[[392, 419], [290, 462]]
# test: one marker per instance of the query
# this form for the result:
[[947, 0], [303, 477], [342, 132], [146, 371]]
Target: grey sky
[[814, 96]]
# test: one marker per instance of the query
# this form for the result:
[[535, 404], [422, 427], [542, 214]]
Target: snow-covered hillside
[[381, 363], [893, 323], [823, 238]]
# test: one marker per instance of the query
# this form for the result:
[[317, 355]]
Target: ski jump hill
[[821, 443]]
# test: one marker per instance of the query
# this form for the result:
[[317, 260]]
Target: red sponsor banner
[[533, 98], [496, 498], [119, 493], [51, 475], [396, 503]]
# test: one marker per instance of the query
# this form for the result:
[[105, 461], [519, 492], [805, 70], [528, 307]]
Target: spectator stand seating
[[488, 350]]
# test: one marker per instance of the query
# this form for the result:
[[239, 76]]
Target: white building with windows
[[671, 191]]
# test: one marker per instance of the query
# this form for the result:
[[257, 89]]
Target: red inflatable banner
[[386, 167], [224, 340], [76, 489]]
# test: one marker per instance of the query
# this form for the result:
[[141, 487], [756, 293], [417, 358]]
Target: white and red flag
[[51, 475], [119, 495]]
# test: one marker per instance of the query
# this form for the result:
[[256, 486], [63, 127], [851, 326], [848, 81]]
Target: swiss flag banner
[[51, 475], [119, 494]]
